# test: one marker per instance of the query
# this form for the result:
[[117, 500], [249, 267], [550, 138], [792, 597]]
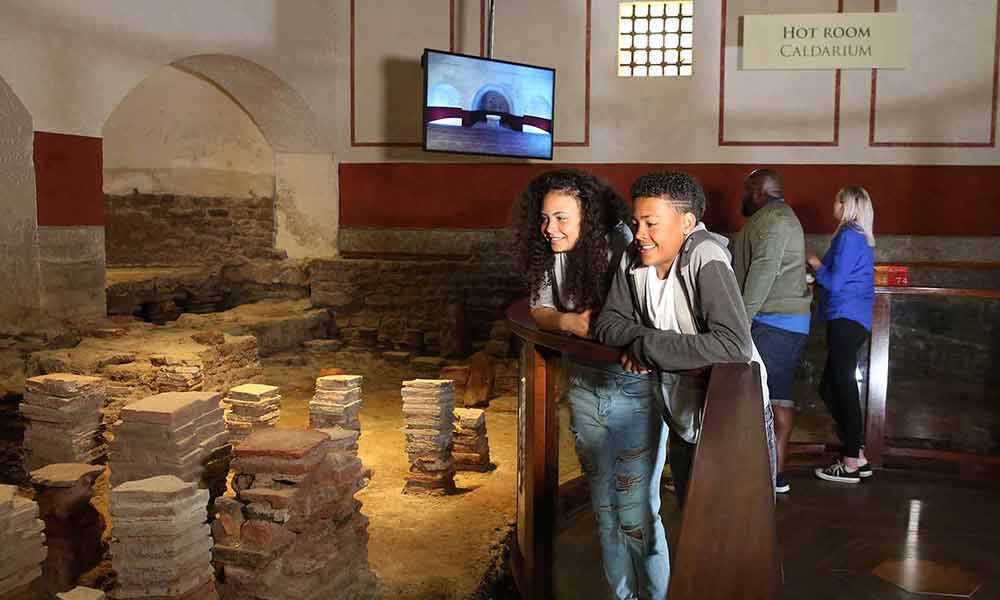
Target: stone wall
[[166, 229], [393, 295], [71, 272]]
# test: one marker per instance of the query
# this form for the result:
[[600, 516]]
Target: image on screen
[[475, 105]]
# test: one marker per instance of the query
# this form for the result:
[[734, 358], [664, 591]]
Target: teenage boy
[[675, 305]]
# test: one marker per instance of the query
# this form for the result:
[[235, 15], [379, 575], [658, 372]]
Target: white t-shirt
[[658, 301]]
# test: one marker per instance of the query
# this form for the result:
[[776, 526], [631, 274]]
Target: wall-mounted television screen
[[476, 105]]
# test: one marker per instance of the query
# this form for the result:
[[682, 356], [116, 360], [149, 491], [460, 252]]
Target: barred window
[[656, 39]]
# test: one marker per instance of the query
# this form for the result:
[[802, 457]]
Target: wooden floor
[[898, 536]]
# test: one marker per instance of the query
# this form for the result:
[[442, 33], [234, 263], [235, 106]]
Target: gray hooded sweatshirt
[[713, 323]]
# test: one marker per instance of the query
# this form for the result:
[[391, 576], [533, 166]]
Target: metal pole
[[489, 28]]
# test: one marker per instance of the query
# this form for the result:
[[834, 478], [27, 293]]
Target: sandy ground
[[420, 547]]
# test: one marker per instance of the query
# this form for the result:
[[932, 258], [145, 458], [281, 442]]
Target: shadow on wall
[[404, 82]]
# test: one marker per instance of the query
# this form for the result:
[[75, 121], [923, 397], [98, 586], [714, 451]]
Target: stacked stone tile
[[179, 378], [471, 446], [336, 403], [73, 526], [294, 529], [161, 545], [428, 412], [63, 414], [250, 407], [22, 544], [175, 433]]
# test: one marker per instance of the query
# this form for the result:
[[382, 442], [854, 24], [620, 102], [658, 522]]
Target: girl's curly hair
[[587, 271]]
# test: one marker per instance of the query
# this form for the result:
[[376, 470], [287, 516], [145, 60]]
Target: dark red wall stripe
[[68, 179], [909, 199]]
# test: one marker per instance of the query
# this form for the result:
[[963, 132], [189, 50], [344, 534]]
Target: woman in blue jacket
[[846, 278]]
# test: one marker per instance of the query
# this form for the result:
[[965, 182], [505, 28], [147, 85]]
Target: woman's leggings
[[839, 386]]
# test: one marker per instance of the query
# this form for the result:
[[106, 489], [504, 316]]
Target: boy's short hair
[[678, 188]]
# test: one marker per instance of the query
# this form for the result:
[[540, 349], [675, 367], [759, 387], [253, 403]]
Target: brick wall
[[165, 229]]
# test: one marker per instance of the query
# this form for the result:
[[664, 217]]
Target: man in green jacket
[[769, 259]]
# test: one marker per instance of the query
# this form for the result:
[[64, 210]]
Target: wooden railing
[[875, 387], [727, 547]]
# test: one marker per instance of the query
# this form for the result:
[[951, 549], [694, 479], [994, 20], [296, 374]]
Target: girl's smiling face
[[561, 220]]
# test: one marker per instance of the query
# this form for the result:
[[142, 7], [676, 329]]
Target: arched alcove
[[214, 158], [497, 97], [188, 176]]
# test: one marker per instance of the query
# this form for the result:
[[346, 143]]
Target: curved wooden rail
[[727, 547], [875, 387], [987, 294]]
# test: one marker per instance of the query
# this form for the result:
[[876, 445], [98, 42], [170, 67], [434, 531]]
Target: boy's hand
[[577, 323], [631, 365]]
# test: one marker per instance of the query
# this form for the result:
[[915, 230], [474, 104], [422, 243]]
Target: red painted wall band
[[69, 180], [909, 199]]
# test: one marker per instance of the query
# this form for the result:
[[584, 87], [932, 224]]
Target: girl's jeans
[[621, 443]]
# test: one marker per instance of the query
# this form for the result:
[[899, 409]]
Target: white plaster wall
[[945, 97], [176, 133], [949, 80], [307, 210], [18, 222], [73, 62]]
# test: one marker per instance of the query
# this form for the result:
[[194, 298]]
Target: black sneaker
[[781, 484], [839, 473], [865, 470]]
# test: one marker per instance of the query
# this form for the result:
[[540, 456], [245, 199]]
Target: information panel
[[826, 41]]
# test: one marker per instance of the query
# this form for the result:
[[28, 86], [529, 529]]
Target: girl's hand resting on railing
[[576, 323]]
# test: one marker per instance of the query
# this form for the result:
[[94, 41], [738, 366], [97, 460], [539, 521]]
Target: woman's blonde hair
[[858, 211]]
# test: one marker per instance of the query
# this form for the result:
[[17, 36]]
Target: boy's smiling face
[[660, 231]]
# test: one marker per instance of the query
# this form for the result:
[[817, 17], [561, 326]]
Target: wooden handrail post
[[878, 379], [728, 547], [537, 471]]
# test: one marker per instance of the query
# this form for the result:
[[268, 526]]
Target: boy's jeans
[[621, 443]]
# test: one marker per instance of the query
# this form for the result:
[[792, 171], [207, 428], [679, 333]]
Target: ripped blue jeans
[[621, 443]]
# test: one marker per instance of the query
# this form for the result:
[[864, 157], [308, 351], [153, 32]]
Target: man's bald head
[[768, 182], [759, 187]]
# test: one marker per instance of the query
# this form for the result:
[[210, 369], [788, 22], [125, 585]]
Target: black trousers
[[839, 386]]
